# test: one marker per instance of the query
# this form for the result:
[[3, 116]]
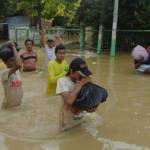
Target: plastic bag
[[138, 52], [90, 96]]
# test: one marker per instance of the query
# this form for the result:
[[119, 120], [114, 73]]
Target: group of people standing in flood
[[63, 79]]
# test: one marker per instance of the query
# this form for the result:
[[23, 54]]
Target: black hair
[[6, 51], [147, 45], [28, 40], [75, 65], [50, 40], [59, 47]]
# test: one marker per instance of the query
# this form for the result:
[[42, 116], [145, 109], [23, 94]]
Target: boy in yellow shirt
[[56, 68]]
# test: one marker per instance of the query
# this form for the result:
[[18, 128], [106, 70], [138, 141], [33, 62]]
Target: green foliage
[[133, 14], [61, 9], [53, 8], [49, 8], [89, 12], [60, 21], [7, 7]]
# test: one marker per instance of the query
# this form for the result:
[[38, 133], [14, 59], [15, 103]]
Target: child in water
[[56, 68], [10, 78]]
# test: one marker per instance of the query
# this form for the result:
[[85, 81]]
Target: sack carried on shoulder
[[90, 96]]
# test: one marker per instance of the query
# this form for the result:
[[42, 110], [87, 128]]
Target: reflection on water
[[122, 123]]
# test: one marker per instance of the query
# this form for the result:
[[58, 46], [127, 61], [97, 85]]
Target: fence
[[126, 39], [21, 34]]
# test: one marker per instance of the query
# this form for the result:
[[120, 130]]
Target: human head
[[148, 48], [51, 43], [29, 44], [6, 55], [10, 62], [79, 69], [60, 51]]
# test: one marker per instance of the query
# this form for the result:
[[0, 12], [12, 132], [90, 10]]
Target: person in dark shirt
[[148, 50]]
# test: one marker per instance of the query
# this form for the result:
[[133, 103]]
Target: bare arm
[[58, 39], [45, 40], [17, 64], [69, 97]]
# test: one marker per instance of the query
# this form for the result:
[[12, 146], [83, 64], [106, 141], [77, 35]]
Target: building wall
[[18, 21]]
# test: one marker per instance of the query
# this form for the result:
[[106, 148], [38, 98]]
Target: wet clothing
[[138, 63], [142, 66], [55, 71], [12, 88], [66, 118], [29, 60]]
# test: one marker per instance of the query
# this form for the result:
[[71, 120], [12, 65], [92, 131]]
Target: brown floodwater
[[121, 123]]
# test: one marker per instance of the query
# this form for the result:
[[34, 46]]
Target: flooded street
[[121, 123]]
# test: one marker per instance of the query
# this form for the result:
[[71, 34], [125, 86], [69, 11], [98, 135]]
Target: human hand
[[75, 110], [82, 82], [56, 35], [91, 109], [85, 80], [11, 44], [45, 38], [79, 85]]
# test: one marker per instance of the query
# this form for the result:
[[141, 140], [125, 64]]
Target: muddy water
[[122, 123]]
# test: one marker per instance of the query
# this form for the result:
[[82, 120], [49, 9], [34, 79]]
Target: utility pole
[[100, 33], [114, 28], [82, 25]]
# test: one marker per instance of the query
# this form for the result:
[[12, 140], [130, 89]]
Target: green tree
[[64, 9], [41, 8], [133, 14], [7, 7]]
